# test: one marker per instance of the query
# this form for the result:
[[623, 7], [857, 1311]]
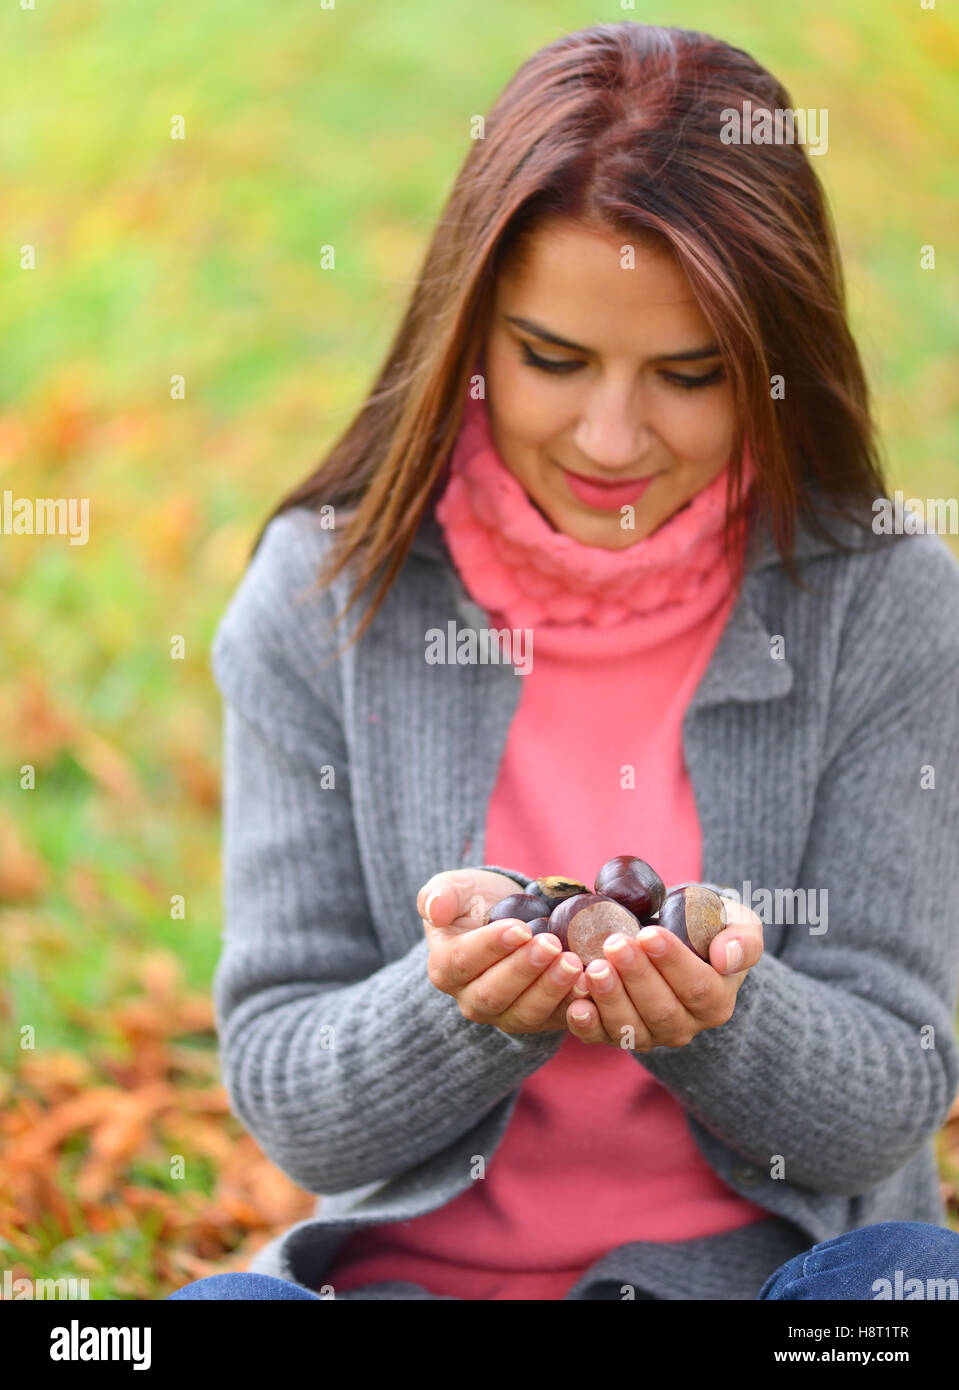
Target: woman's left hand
[[647, 1000]]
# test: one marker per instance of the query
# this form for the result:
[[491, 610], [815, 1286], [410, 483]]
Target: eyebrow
[[539, 331]]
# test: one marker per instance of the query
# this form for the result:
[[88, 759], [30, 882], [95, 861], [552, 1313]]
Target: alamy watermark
[[760, 126], [47, 1290], [76, 1343], [915, 516], [483, 646], [805, 907], [45, 516], [899, 1287]]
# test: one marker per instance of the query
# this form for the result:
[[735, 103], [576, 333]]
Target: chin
[[591, 528], [607, 535]]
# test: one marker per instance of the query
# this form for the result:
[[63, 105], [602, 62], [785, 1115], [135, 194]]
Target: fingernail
[[544, 951], [734, 956], [622, 948], [429, 903], [516, 935], [652, 941], [580, 1015]]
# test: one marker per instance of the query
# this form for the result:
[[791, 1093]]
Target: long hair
[[619, 125]]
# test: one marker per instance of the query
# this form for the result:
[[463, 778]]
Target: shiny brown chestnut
[[539, 925], [556, 889], [634, 883], [695, 914], [584, 921], [524, 906]]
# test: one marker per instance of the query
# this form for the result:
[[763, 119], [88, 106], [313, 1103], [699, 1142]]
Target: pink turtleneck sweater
[[597, 1153]]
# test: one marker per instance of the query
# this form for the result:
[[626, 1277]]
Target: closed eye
[[678, 379], [689, 383]]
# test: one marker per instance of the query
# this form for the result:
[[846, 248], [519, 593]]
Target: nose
[[613, 433]]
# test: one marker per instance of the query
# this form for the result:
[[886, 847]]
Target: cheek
[[526, 413], [503, 389], [698, 431]]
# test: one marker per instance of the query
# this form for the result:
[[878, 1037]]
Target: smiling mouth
[[606, 482], [605, 496]]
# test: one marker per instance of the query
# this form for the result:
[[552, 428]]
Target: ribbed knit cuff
[[514, 874]]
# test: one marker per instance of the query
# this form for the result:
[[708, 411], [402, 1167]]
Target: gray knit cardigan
[[829, 761]]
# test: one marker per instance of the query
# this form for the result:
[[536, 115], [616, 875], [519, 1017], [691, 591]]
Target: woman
[[623, 431]]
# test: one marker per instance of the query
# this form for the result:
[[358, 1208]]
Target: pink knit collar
[[578, 598]]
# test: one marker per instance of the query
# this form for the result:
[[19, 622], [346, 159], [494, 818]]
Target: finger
[[459, 898], [544, 997], [495, 993], [456, 960], [653, 983], [558, 1016], [735, 950], [582, 1019], [617, 1013], [445, 897], [723, 955], [738, 914]]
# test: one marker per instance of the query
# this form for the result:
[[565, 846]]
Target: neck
[[527, 575]]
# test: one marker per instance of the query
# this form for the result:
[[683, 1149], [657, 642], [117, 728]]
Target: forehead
[[600, 289]]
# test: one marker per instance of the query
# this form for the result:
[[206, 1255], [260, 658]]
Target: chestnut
[[539, 925], [633, 883], [524, 906], [695, 914], [583, 923], [555, 889]]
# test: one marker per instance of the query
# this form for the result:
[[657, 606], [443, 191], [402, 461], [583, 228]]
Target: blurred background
[[199, 257]]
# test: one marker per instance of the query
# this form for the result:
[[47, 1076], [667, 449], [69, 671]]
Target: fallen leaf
[[109, 767], [23, 875], [49, 1132], [162, 976], [56, 1074]]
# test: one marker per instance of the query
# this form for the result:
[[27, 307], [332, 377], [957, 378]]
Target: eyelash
[[685, 383]]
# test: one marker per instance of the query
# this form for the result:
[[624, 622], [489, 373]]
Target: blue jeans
[[848, 1266]]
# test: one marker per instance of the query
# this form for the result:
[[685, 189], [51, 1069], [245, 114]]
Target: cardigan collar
[[742, 667]]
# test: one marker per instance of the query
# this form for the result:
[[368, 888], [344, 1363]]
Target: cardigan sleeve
[[345, 1067], [840, 1057]]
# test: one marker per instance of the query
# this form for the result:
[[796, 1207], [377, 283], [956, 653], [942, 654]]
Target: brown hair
[[619, 125]]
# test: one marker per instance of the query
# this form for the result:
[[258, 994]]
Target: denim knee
[[888, 1260], [241, 1285]]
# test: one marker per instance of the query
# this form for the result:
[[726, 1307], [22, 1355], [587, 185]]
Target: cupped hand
[[644, 999], [498, 974]]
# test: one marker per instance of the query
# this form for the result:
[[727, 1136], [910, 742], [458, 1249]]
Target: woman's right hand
[[518, 988]]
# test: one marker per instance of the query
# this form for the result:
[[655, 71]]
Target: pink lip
[[606, 496]]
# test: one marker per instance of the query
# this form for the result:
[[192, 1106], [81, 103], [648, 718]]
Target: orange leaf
[[43, 727], [56, 1074], [108, 766], [212, 1100], [70, 1115], [162, 975], [23, 875]]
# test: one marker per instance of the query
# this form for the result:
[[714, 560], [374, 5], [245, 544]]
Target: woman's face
[[622, 409]]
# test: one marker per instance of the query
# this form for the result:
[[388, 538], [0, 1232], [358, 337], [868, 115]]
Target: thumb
[[739, 915], [444, 897]]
